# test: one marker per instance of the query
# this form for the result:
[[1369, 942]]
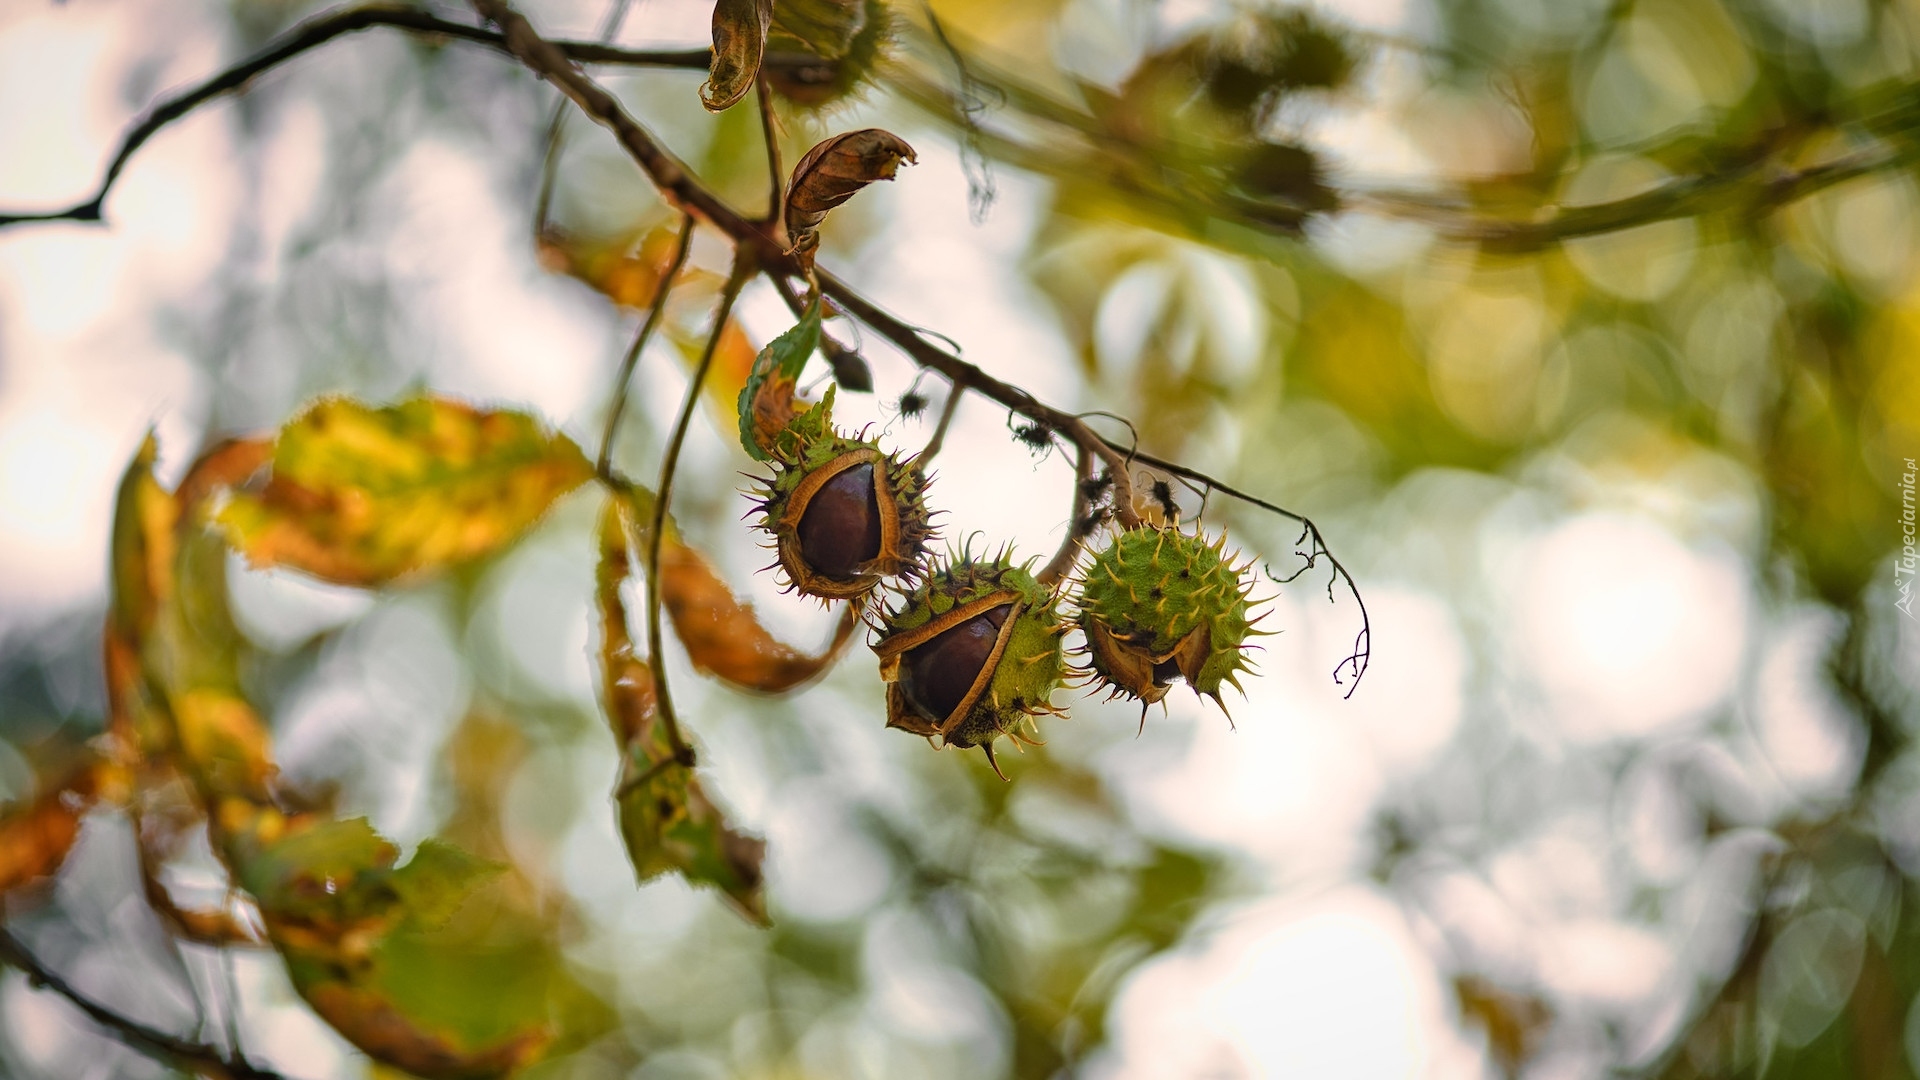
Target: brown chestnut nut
[[843, 514]]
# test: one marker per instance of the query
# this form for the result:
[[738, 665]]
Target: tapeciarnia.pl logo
[[1903, 566]]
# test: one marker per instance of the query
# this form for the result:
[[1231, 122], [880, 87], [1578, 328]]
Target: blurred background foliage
[[1589, 333]]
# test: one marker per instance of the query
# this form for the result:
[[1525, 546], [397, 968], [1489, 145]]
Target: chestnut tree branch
[[303, 38], [755, 243]]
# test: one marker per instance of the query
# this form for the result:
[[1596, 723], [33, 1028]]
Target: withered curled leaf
[[166, 814], [739, 41], [831, 173], [722, 636]]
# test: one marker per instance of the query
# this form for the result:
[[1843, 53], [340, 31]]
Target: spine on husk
[[972, 653], [844, 514], [1158, 604]]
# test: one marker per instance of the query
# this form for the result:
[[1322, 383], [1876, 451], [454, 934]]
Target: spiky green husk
[[1158, 601], [831, 78], [810, 443], [1031, 665]]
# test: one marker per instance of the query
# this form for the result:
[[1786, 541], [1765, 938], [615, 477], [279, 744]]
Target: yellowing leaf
[[226, 464], [224, 744], [438, 878], [363, 496], [612, 267], [143, 546], [666, 821], [722, 636]]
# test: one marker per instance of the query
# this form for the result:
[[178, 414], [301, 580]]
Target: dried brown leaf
[[832, 172], [739, 42], [723, 637], [35, 837]]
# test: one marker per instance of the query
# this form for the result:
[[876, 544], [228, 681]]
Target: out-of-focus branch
[[1068, 141], [307, 36], [770, 131], [668, 173], [1747, 188], [188, 1056]]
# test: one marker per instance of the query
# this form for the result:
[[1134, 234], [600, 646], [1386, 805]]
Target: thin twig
[[668, 173], [743, 270], [769, 130], [180, 1053], [604, 466], [939, 437], [966, 376], [550, 162], [310, 35], [1362, 652], [1069, 550]]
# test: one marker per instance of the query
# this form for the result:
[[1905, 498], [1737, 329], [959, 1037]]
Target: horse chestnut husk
[[972, 653], [1158, 604], [843, 514]]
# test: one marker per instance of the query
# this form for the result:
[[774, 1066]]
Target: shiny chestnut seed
[[840, 531], [938, 674]]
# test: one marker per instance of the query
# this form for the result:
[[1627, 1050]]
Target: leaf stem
[[603, 467], [744, 269]]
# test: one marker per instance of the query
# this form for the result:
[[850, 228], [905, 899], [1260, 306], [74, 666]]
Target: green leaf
[[328, 874], [438, 879], [669, 824], [767, 402], [362, 496]]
